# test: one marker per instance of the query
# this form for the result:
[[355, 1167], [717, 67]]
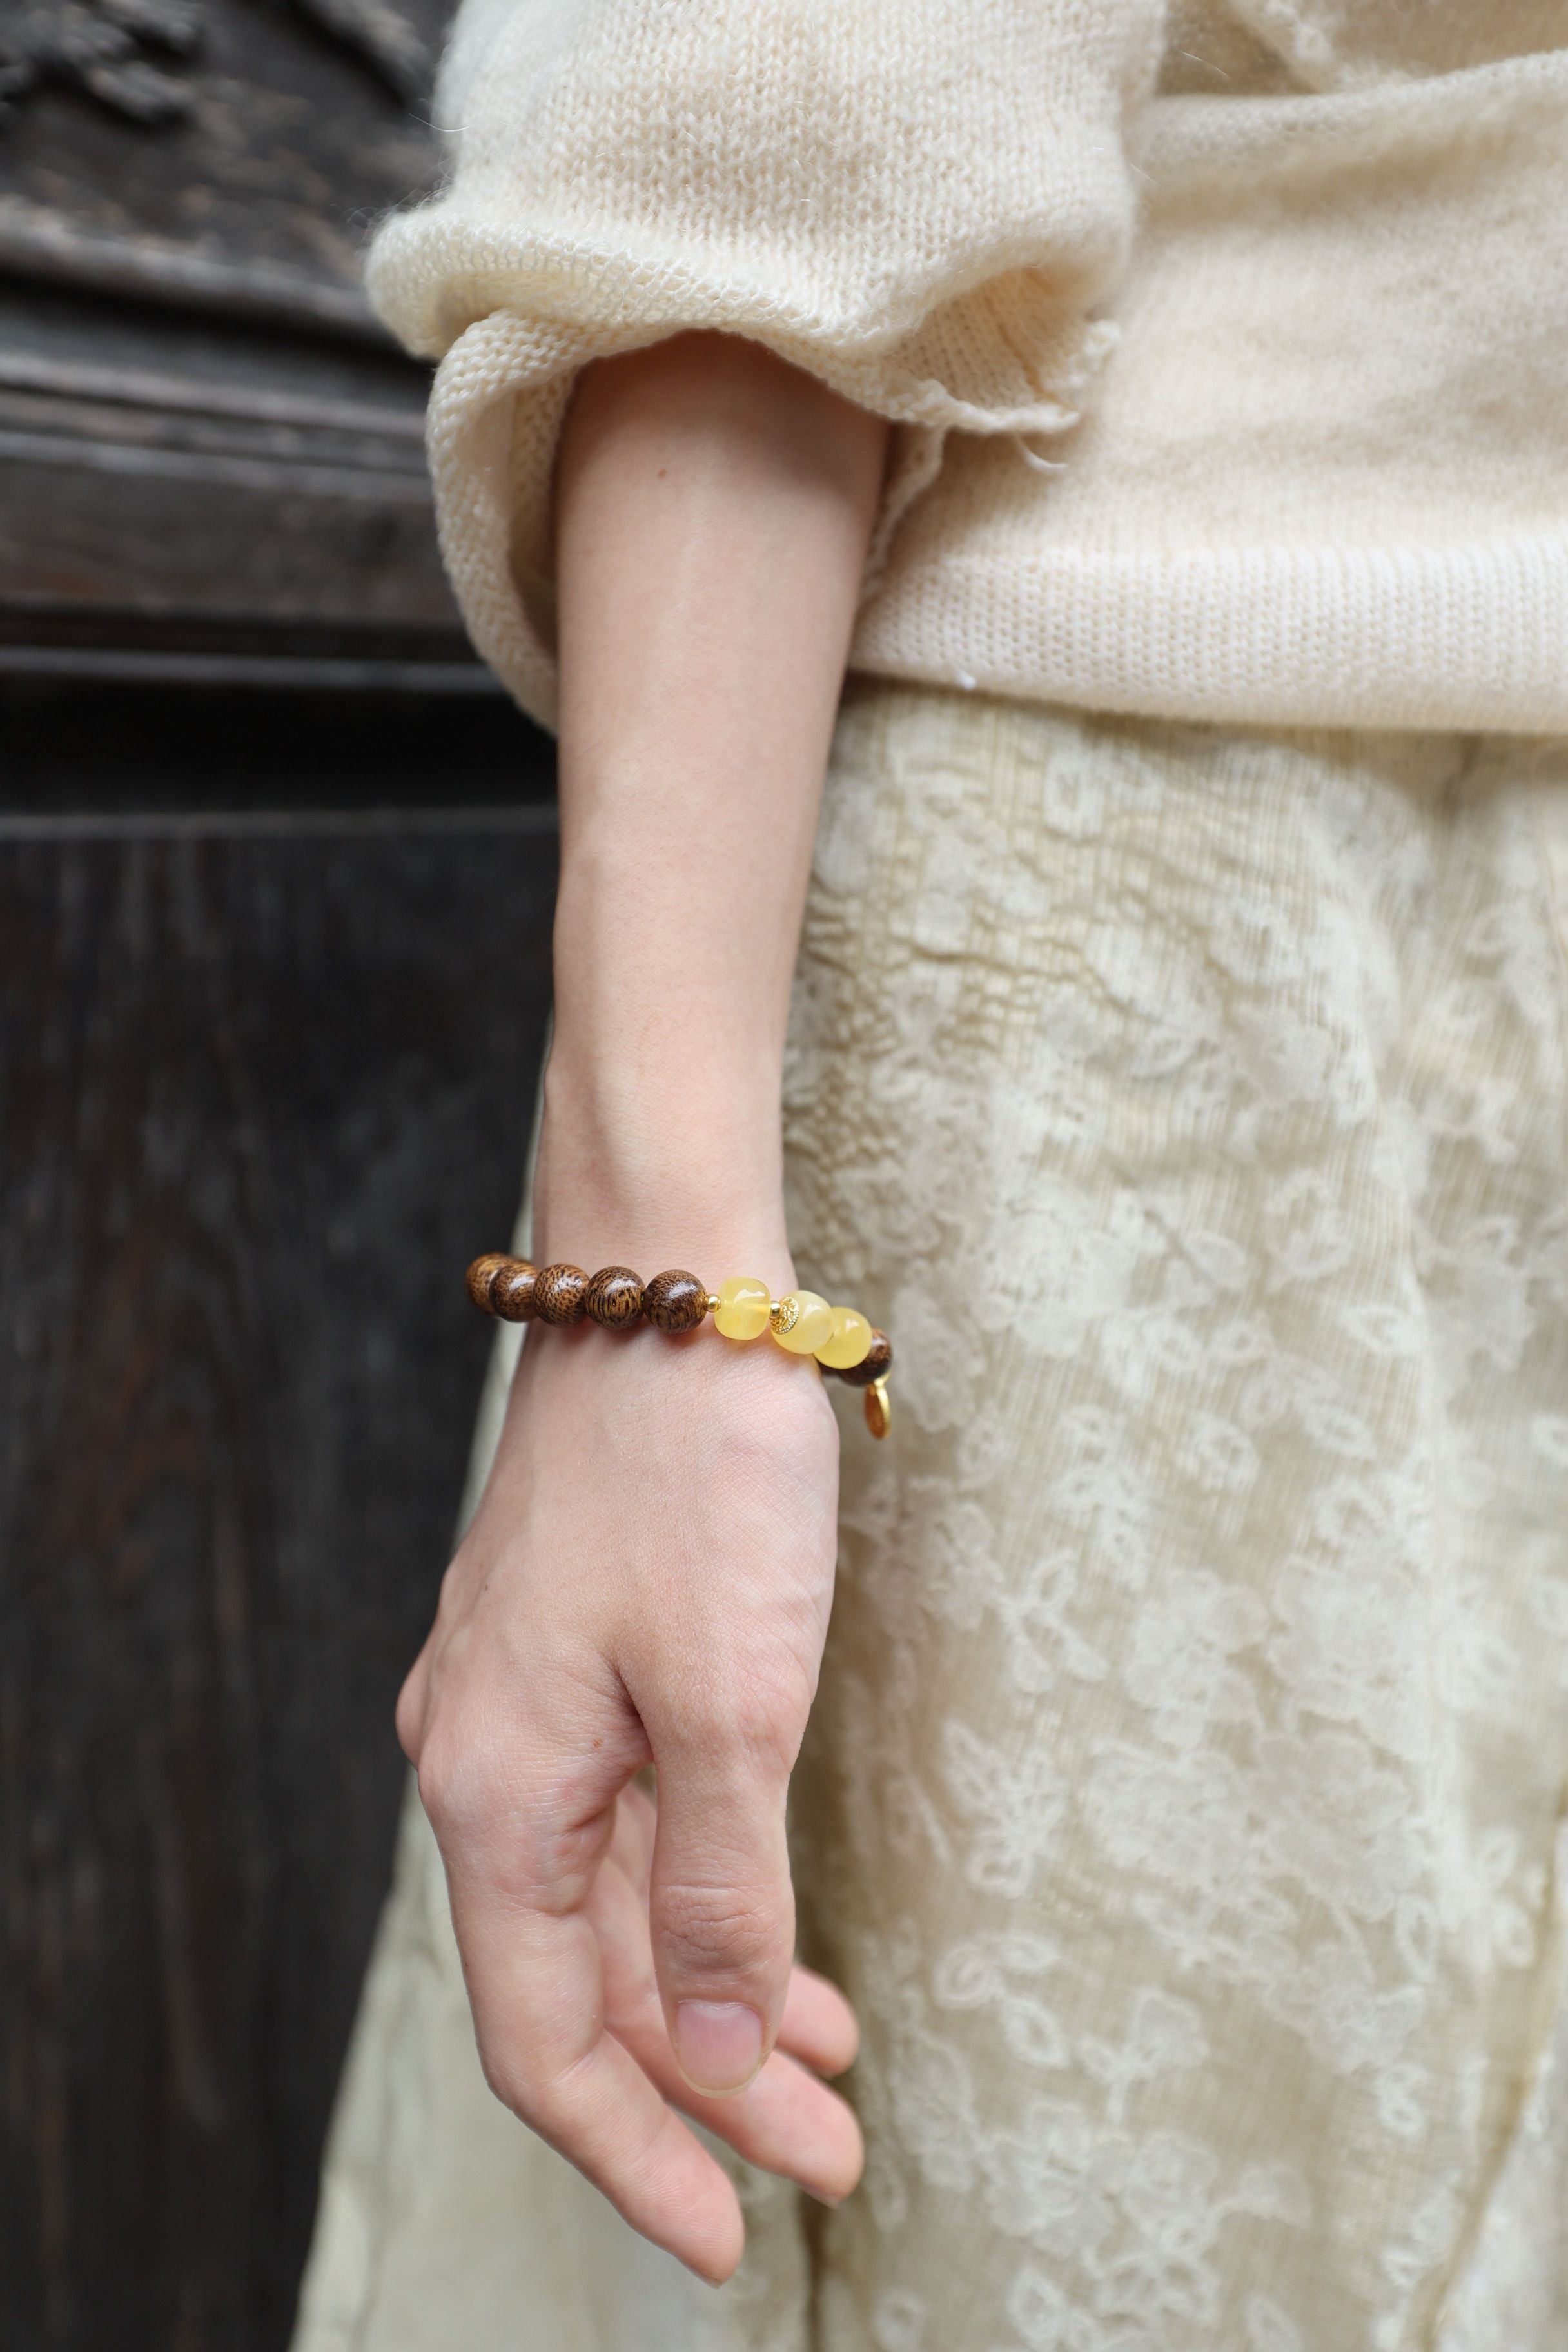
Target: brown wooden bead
[[558, 1293], [675, 1301], [874, 1367], [613, 1298], [512, 1291], [481, 1274]]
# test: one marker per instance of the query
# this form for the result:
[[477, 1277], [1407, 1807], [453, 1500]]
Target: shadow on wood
[[264, 1081]]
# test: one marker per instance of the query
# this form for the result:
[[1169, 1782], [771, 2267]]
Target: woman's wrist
[[641, 1166]]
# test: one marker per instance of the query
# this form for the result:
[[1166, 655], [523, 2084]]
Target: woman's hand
[[648, 1575], [647, 1578]]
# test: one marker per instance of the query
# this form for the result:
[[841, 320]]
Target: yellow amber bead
[[804, 1330], [849, 1343], [742, 1309]]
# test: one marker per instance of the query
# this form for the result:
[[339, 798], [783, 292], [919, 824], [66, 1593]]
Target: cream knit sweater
[[1226, 344]]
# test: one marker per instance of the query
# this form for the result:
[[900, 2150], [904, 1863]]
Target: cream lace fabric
[[1182, 1799]]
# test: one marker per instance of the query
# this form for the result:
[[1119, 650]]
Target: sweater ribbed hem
[[1473, 637]]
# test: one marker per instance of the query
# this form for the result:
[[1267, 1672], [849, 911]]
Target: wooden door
[[276, 871]]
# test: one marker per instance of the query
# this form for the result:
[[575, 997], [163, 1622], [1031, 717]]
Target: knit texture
[[1225, 351]]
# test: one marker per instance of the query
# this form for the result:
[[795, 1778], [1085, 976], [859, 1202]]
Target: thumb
[[721, 1905]]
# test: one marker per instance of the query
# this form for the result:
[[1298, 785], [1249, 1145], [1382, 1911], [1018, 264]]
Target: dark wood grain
[[559, 1293], [273, 969], [209, 447], [482, 1273], [675, 1301], [614, 1298], [511, 1291], [168, 482], [264, 1097], [268, 178]]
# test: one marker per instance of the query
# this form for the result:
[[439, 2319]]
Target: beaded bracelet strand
[[840, 1338]]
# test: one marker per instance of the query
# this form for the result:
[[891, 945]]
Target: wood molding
[[139, 58]]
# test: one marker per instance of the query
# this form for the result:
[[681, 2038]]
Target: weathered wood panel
[[278, 140], [264, 1083], [205, 435], [164, 478], [265, 1068]]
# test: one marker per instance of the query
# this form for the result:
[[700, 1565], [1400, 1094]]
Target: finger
[[818, 2026], [631, 1848], [721, 1906], [536, 1989], [786, 2120], [524, 1836]]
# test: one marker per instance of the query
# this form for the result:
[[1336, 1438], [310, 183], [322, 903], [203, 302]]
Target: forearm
[[649, 1572], [713, 508]]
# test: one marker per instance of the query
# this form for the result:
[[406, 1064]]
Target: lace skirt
[[1180, 1805]]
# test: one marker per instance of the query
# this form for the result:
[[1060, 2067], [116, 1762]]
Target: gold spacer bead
[[784, 1314], [713, 1302]]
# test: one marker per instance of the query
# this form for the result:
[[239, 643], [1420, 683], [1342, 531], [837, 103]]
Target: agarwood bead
[[512, 1290], [675, 1301], [875, 1365], [481, 1274], [613, 1298], [559, 1294]]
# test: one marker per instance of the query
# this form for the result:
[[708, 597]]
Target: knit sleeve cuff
[[920, 204]]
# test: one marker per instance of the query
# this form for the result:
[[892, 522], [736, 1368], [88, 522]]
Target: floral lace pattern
[[1182, 1799], [1181, 1802]]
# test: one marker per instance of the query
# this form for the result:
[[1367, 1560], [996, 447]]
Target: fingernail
[[718, 2044]]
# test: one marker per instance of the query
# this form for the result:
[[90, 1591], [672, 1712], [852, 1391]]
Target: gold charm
[[878, 1409]]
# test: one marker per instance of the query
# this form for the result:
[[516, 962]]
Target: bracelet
[[839, 1338]]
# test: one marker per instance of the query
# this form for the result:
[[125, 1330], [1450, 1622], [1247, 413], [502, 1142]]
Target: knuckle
[[544, 2099], [408, 1717], [464, 1780], [755, 1726], [710, 1930], [447, 1788], [508, 2076], [536, 1833], [502, 2078]]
